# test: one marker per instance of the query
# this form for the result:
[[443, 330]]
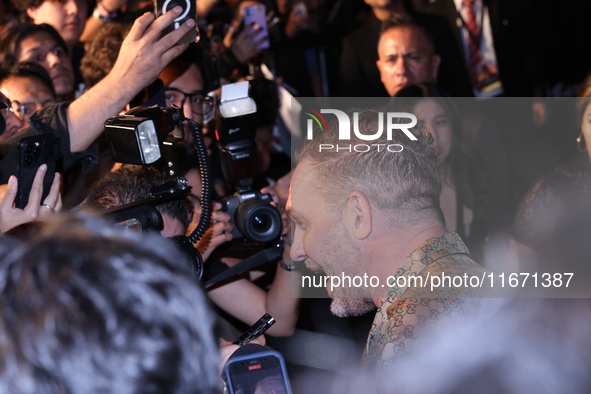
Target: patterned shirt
[[411, 312]]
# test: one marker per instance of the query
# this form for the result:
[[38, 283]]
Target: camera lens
[[258, 221], [261, 223]]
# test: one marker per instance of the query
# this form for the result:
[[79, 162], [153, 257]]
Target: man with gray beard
[[375, 214]]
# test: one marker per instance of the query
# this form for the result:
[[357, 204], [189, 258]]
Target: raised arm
[[142, 57]]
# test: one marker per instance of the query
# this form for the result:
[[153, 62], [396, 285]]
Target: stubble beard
[[348, 301], [349, 307]]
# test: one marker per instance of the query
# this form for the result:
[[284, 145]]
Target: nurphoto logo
[[391, 125]]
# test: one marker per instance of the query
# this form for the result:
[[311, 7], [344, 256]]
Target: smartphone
[[263, 372], [189, 12], [256, 330], [31, 153], [257, 14]]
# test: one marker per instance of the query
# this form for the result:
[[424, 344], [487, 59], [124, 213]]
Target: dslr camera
[[252, 215]]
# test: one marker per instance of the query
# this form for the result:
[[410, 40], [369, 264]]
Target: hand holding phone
[[189, 12], [257, 15], [11, 216]]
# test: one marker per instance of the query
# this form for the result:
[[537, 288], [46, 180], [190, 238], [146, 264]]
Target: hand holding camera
[[219, 232]]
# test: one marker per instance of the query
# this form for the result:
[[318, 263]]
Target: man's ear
[[32, 12], [359, 216]]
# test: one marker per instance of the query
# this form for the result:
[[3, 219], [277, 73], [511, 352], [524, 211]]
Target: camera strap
[[259, 258]]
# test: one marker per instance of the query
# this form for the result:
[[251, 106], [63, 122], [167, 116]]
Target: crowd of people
[[495, 180]]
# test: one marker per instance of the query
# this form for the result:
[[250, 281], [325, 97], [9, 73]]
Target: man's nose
[[400, 66], [13, 123], [72, 7], [187, 108], [297, 252], [52, 60]]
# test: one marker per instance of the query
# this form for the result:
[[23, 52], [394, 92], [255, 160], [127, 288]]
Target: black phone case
[[189, 12], [32, 152]]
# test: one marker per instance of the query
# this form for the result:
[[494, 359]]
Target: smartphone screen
[[189, 12], [257, 14], [257, 373], [32, 152]]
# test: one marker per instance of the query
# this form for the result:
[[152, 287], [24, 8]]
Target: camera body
[[252, 216]]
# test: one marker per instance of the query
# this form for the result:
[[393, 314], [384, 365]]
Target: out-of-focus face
[[380, 4], [187, 92], [406, 57], [13, 123], [245, 4], [321, 240], [27, 95], [438, 124], [586, 128], [66, 16], [7, 23], [42, 49]]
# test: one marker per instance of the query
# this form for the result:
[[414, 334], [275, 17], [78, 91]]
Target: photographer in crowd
[[29, 87], [79, 123], [237, 296]]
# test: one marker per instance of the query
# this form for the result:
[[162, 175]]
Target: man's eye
[[30, 108]]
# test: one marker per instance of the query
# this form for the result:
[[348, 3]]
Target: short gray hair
[[404, 185]]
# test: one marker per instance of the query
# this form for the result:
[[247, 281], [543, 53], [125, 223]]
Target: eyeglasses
[[200, 104], [24, 110], [5, 107]]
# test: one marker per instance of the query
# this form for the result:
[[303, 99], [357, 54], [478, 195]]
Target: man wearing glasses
[[187, 83], [29, 87]]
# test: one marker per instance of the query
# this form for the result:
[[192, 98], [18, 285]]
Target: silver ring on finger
[[48, 207]]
